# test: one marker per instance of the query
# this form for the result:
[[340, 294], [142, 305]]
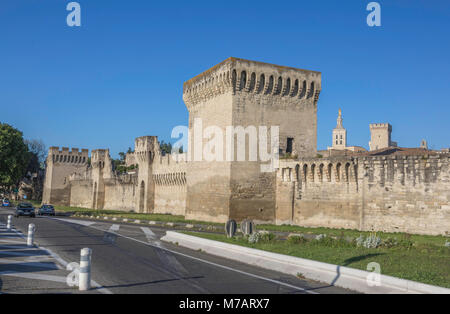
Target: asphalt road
[[127, 258]]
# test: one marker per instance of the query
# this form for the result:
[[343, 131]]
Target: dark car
[[46, 209], [25, 209]]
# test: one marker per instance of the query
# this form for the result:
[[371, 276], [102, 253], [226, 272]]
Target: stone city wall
[[384, 193]]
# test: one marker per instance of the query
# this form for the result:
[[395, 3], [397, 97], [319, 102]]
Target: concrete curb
[[339, 276], [155, 223]]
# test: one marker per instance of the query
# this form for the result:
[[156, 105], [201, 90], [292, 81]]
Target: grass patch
[[416, 238], [123, 214], [427, 263]]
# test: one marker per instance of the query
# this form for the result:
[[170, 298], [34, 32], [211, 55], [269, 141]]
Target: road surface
[[127, 258]]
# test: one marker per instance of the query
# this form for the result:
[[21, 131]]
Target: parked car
[[46, 209], [25, 209], [6, 203]]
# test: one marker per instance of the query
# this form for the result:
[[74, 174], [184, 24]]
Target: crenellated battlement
[[380, 126], [318, 170], [99, 157], [392, 193], [239, 76], [169, 159], [146, 148], [65, 155], [406, 170]]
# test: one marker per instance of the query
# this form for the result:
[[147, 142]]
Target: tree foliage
[[166, 148], [37, 147], [14, 155]]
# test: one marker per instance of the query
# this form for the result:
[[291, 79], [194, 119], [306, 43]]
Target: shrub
[[371, 242], [360, 240], [259, 236], [297, 239], [267, 236], [406, 242], [390, 242], [321, 237], [255, 237]]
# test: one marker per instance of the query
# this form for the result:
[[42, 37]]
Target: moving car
[[46, 209], [25, 209], [6, 203]]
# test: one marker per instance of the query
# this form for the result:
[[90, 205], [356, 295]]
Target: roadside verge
[[328, 273]]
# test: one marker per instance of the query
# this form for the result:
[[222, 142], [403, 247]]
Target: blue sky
[[120, 74]]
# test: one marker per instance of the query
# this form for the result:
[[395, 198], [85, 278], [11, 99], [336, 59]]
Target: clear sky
[[120, 74]]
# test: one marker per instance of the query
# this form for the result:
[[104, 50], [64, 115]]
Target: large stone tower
[[60, 164], [248, 94]]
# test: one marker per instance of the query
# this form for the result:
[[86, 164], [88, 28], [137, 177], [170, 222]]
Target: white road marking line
[[34, 276], [151, 237], [217, 265], [12, 241], [149, 234], [75, 221], [114, 228], [61, 279], [50, 265]]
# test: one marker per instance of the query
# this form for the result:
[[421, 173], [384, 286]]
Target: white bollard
[[8, 224], [30, 239], [85, 270]]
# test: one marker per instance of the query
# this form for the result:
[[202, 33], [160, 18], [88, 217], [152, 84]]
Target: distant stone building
[[424, 144], [339, 139], [339, 134], [380, 136]]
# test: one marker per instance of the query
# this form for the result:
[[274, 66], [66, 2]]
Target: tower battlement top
[[235, 63], [380, 126], [146, 143], [244, 76], [55, 150]]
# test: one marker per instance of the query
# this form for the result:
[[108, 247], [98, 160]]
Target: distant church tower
[[339, 134]]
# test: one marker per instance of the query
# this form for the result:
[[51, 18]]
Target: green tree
[[166, 148], [14, 155]]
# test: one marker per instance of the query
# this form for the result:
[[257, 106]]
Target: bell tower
[[339, 134]]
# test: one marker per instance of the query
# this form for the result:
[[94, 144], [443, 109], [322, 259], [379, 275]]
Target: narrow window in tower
[[290, 141]]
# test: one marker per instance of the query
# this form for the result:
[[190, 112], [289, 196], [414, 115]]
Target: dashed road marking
[[114, 228], [75, 221]]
